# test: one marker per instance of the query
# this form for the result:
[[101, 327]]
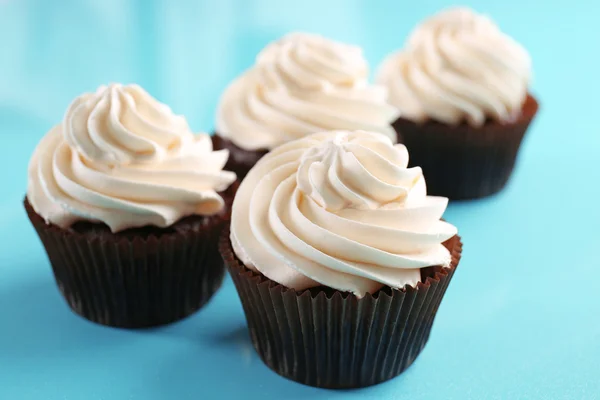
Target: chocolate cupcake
[[340, 258], [125, 199], [461, 86], [299, 85]]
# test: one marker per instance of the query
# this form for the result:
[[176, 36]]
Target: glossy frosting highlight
[[122, 158], [299, 85], [339, 209], [458, 66]]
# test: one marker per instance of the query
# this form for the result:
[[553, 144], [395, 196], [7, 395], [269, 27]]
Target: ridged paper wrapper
[[325, 338]]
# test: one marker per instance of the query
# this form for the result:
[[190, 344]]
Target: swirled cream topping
[[458, 66], [122, 158], [339, 209], [300, 85]]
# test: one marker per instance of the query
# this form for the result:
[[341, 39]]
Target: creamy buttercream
[[339, 209], [302, 84], [122, 158], [458, 66]]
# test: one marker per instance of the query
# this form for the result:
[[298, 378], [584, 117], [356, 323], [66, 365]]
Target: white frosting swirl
[[339, 209], [122, 158], [458, 66], [300, 85]]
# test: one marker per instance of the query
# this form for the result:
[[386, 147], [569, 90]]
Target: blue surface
[[521, 317]]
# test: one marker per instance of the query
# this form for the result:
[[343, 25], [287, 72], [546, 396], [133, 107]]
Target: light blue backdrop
[[521, 320]]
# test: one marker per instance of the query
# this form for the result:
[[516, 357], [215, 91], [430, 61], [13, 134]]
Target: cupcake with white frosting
[[461, 86], [129, 205], [340, 258], [299, 85]]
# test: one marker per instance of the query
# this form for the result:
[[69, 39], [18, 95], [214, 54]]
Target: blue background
[[521, 319]]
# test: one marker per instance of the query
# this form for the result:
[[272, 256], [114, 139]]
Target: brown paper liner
[[465, 162], [139, 277], [325, 338]]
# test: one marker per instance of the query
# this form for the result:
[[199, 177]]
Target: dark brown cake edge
[[240, 161]]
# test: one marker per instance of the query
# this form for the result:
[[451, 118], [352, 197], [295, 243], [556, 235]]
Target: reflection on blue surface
[[520, 319]]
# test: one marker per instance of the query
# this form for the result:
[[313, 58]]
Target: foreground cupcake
[[301, 84], [461, 86], [340, 258], [125, 200]]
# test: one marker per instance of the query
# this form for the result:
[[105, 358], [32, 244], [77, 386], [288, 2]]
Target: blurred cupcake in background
[[129, 205], [340, 258], [300, 84], [461, 86]]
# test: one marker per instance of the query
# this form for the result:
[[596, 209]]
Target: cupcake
[[461, 86], [299, 85], [129, 205], [340, 258]]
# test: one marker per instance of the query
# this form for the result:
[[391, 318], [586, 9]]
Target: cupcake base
[[139, 277], [325, 338], [465, 162], [240, 161]]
